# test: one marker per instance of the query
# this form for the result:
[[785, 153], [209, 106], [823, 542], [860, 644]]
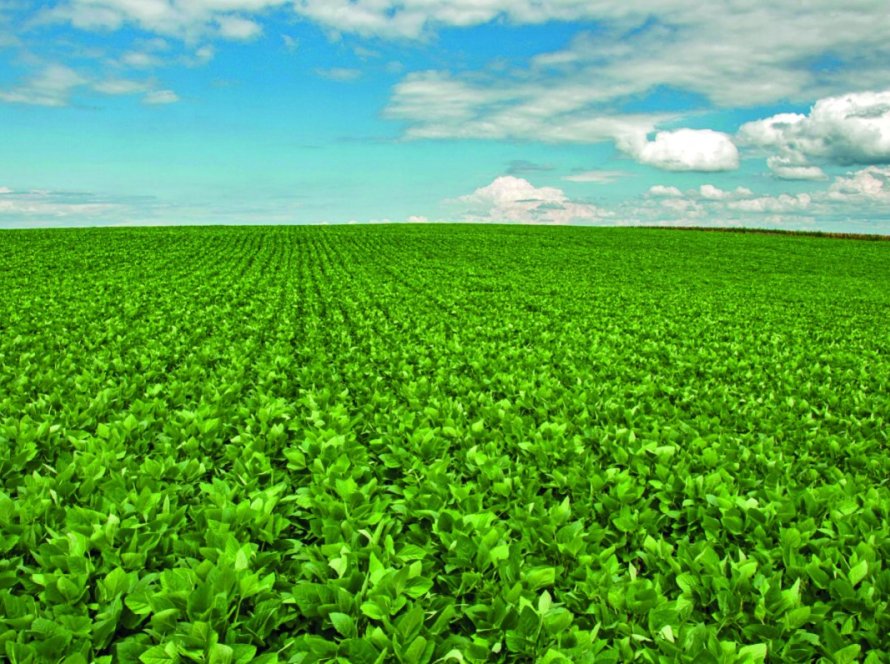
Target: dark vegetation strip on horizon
[[874, 237]]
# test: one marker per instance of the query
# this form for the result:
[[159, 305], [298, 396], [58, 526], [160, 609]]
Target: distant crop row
[[443, 444]]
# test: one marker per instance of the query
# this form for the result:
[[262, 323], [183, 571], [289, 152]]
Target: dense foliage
[[443, 443]]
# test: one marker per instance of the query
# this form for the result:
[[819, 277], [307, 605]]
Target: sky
[[665, 112]]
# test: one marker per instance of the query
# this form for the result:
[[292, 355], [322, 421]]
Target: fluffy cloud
[[849, 129], [513, 199], [238, 28], [773, 204], [685, 150], [712, 193], [793, 167], [860, 197], [868, 186], [660, 190]]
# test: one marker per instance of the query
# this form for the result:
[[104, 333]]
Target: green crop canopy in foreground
[[443, 444]]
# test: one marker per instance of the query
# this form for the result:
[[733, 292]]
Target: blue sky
[[119, 112]]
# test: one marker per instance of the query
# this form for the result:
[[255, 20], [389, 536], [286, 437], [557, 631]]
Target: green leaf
[[418, 587], [373, 611], [752, 654], [359, 651], [414, 654], [540, 577], [163, 654], [221, 654], [858, 572], [343, 623], [847, 655]]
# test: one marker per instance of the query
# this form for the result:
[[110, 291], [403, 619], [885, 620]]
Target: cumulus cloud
[[867, 186], [513, 199], [861, 197], [848, 129], [712, 193], [688, 208], [773, 204], [793, 168], [238, 28], [685, 150], [660, 190]]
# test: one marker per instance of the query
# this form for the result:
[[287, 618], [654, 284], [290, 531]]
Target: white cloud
[[513, 199], [51, 205], [848, 129], [730, 52], [868, 186], [730, 56], [417, 219], [598, 177], [660, 190], [238, 28], [782, 203], [861, 197], [793, 168], [160, 97], [688, 208], [712, 193], [51, 86], [227, 19], [140, 60], [438, 105], [120, 86], [204, 55], [685, 150]]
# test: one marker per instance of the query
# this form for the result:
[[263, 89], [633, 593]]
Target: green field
[[443, 443]]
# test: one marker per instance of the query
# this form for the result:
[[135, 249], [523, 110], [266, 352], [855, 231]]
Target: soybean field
[[443, 443]]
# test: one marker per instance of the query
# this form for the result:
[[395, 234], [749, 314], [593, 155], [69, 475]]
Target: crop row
[[443, 444]]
